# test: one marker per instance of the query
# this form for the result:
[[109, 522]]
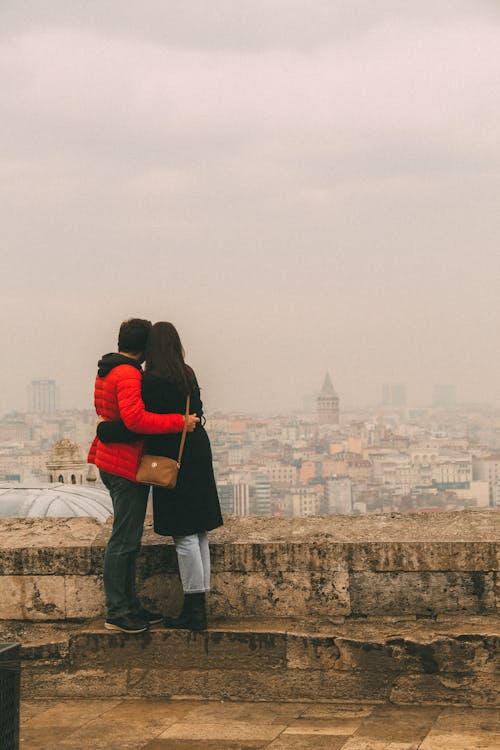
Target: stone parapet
[[374, 608], [333, 566]]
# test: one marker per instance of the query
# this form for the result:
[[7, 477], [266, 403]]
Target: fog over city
[[299, 187]]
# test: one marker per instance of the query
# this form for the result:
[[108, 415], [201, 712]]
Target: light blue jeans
[[193, 556]]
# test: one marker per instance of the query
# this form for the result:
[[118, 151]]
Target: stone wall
[[381, 608], [420, 565]]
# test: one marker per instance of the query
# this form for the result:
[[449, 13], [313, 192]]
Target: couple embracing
[[143, 412]]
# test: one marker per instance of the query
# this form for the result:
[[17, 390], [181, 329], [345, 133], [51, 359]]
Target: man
[[117, 395]]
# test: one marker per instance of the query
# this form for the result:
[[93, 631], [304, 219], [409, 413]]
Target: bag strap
[[183, 438]]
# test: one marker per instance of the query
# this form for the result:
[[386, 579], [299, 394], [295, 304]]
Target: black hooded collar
[[109, 361]]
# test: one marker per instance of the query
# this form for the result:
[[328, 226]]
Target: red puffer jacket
[[117, 395]]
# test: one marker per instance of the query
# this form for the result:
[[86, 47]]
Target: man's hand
[[192, 421]]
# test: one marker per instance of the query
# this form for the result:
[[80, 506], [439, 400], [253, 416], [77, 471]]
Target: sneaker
[[152, 618], [127, 624]]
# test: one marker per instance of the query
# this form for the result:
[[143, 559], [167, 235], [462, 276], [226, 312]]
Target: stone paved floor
[[208, 725]]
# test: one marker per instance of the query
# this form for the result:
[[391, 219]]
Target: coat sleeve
[[115, 432], [132, 410]]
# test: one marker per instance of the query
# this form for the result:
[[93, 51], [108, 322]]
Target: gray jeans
[[193, 556], [129, 508]]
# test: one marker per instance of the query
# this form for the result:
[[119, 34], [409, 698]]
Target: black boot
[[193, 615]]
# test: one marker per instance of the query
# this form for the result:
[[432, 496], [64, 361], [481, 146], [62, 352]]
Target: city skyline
[[438, 395], [374, 461], [297, 188]]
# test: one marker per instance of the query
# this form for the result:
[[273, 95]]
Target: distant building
[[306, 501], [487, 469], [394, 394], [66, 463], [453, 472], [327, 403], [226, 496], [339, 496], [43, 396], [262, 505], [444, 396], [282, 473], [241, 492]]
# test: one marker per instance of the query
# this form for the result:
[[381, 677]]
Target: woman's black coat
[[193, 506]]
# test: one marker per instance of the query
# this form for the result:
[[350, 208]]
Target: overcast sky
[[298, 186]]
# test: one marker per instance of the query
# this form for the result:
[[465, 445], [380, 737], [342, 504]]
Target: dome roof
[[57, 500], [65, 450]]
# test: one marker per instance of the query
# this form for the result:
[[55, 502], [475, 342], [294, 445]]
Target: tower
[[327, 403], [66, 463]]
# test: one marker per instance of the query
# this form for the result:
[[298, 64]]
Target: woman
[[192, 508]]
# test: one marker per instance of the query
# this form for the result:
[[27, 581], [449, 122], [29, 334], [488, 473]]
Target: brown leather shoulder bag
[[161, 471]]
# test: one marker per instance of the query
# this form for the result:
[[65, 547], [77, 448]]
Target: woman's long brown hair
[[165, 356]]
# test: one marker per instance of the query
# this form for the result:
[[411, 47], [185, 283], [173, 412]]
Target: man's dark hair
[[133, 335]]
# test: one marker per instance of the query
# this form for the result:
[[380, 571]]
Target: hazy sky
[[296, 185]]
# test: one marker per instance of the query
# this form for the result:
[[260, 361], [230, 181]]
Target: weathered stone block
[[422, 556], [45, 652], [332, 685], [12, 597], [151, 650], [423, 593], [245, 650], [45, 560], [460, 654], [279, 594], [267, 557], [180, 649], [157, 559], [161, 592], [263, 685], [166, 683], [50, 682], [318, 652], [45, 597], [432, 655], [32, 597], [84, 596], [480, 689]]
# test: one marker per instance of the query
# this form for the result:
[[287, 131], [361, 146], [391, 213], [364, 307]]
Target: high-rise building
[[226, 496], [262, 495], [241, 492], [43, 396], [444, 396], [394, 394], [327, 403]]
